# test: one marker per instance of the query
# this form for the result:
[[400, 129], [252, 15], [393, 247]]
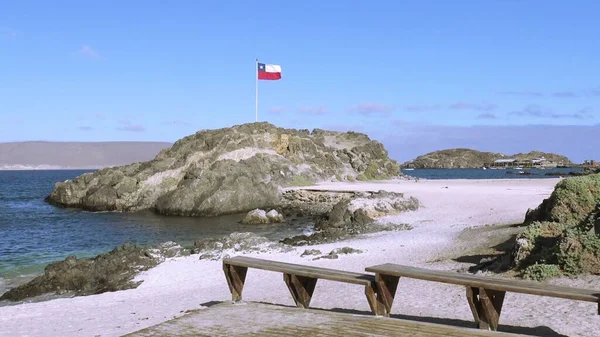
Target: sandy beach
[[448, 208]]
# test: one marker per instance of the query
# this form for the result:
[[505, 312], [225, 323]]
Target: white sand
[[187, 283]]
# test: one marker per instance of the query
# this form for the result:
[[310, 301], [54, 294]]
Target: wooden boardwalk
[[258, 319]]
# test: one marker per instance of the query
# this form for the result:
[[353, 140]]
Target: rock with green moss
[[571, 202], [229, 170], [563, 231]]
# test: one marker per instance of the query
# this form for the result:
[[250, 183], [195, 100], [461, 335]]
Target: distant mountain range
[[75, 155], [467, 158]]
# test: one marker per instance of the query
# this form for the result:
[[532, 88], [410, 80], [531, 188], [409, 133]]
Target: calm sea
[[33, 233]]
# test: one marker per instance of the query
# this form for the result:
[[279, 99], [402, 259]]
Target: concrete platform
[[258, 319]]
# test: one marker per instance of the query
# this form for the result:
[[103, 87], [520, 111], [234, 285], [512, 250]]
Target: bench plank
[[493, 283], [306, 271]]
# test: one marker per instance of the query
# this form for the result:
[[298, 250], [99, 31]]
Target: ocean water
[[34, 233], [487, 174]]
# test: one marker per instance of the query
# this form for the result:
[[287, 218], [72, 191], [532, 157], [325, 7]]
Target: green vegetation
[[373, 173], [541, 272], [361, 177], [562, 236], [301, 180], [579, 252]]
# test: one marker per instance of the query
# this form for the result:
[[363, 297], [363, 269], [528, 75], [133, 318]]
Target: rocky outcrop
[[355, 216], [467, 158], [571, 202], [236, 243], [562, 236], [228, 170], [110, 271]]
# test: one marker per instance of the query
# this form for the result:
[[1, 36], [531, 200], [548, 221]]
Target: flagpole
[[256, 92]]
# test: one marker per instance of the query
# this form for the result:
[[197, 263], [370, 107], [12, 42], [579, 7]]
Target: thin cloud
[[422, 108], [523, 93], [471, 106], [88, 52], [537, 111], [370, 109], [132, 128], [487, 116], [312, 110], [565, 94], [593, 92], [276, 110], [85, 128], [128, 126], [557, 94]]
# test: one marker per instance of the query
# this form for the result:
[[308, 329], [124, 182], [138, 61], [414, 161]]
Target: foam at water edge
[[3, 287]]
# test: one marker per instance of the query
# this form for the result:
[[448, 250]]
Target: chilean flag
[[269, 71]]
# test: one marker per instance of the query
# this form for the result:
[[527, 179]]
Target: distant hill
[[467, 158], [82, 155]]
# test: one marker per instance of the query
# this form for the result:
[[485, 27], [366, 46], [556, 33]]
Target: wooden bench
[[300, 280], [485, 295]]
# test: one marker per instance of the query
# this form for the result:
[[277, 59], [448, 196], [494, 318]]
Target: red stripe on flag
[[263, 75]]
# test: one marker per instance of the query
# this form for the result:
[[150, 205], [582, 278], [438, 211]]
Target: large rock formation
[[228, 170], [467, 158]]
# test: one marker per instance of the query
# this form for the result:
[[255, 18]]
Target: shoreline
[[448, 209], [402, 185]]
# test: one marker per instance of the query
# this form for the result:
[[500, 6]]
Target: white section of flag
[[272, 68]]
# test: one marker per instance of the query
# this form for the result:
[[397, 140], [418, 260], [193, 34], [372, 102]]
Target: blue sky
[[506, 76]]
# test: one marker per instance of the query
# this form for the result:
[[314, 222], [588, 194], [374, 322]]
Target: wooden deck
[[258, 319]]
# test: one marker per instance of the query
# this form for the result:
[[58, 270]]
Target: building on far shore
[[591, 163], [540, 163]]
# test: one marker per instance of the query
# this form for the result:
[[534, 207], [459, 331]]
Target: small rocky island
[[229, 170], [468, 158]]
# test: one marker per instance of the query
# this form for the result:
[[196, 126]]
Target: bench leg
[[371, 292], [486, 306], [386, 290], [236, 276], [301, 287]]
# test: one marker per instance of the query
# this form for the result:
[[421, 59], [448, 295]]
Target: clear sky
[[502, 76]]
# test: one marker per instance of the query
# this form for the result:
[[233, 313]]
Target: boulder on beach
[[274, 216], [260, 217], [256, 217], [229, 170]]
